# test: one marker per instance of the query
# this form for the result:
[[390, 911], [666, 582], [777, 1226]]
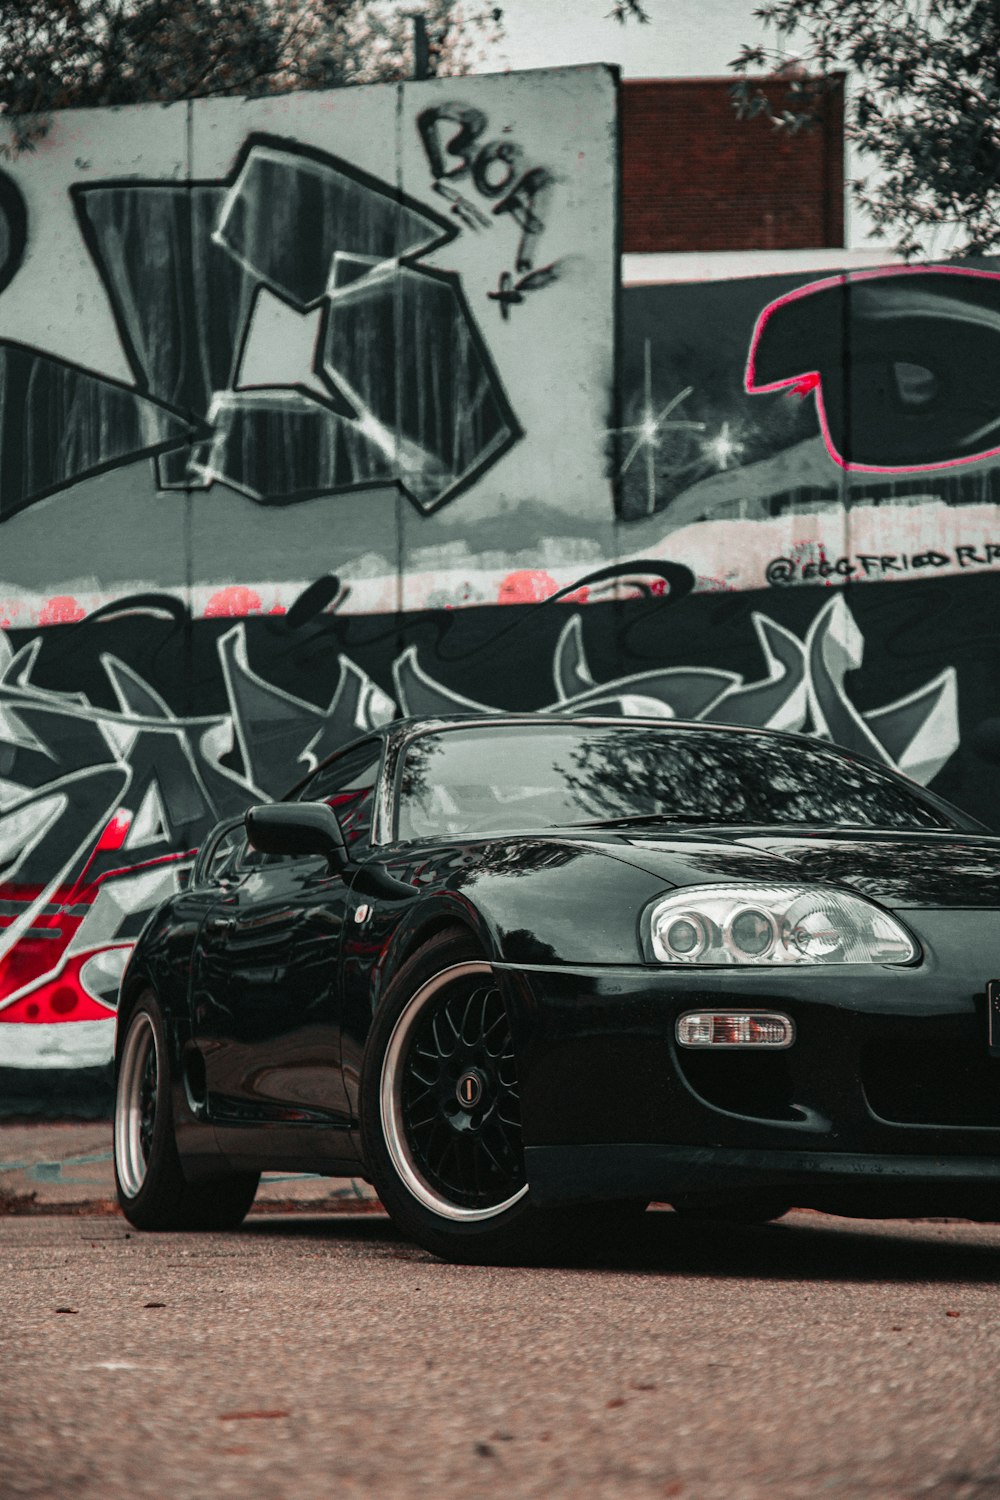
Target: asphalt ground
[[320, 1356]]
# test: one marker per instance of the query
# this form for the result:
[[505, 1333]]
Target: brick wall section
[[695, 177]]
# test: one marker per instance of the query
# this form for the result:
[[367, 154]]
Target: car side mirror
[[297, 828]]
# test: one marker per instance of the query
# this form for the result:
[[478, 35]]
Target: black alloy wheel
[[450, 1103]]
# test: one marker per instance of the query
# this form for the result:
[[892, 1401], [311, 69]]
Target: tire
[[731, 1208], [153, 1192], [440, 1113]]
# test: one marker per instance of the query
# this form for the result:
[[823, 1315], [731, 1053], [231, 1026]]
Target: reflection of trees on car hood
[[941, 870]]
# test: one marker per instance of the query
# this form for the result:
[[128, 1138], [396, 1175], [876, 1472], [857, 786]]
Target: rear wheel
[[441, 1112], [152, 1190]]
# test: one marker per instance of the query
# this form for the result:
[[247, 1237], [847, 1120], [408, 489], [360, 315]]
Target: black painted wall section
[[141, 690]]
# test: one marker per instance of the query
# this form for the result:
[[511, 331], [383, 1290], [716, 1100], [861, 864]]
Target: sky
[[685, 38]]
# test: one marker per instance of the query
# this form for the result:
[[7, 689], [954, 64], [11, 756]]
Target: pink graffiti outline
[[811, 380]]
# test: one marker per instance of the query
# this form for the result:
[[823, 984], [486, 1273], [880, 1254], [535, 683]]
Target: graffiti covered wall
[[796, 429], [310, 417], [371, 327], [336, 354], [831, 445]]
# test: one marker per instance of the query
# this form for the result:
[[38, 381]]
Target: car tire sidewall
[[163, 1184]]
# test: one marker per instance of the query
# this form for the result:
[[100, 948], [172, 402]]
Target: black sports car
[[529, 972]]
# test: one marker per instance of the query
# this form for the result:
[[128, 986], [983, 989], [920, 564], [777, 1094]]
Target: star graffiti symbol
[[649, 431]]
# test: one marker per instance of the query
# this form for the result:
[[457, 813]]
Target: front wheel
[[441, 1112], [153, 1192], [441, 1117]]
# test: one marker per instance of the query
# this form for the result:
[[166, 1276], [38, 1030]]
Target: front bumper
[[835, 1181], [888, 1092]]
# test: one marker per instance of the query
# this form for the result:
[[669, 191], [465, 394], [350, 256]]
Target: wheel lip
[[132, 1167], [391, 1104]]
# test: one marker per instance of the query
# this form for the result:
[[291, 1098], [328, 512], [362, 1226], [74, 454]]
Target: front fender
[[394, 936], [533, 900], [570, 904]]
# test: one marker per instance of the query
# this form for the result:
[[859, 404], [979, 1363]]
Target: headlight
[[772, 925]]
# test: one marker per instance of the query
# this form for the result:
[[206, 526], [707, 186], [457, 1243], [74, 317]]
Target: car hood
[[919, 869]]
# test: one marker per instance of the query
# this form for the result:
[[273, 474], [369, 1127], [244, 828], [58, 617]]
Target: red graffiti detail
[[61, 998], [36, 969], [61, 609], [805, 385], [811, 380], [528, 586], [115, 832], [64, 1000], [235, 600], [147, 864], [112, 837]]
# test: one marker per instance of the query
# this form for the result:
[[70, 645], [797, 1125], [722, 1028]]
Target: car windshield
[[494, 777]]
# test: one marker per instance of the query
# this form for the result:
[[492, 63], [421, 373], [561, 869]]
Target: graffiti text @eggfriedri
[[782, 571]]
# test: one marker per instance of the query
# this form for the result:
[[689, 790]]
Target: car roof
[[408, 727]]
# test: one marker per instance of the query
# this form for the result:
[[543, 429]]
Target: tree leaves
[[922, 107], [56, 54], [622, 10]]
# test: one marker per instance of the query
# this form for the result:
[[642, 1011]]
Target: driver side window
[[348, 785]]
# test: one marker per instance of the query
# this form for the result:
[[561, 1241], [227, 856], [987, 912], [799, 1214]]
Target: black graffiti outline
[[843, 301], [196, 428], [522, 205], [519, 194], [679, 579], [333, 399], [441, 232], [14, 209], [787, 571], [463, 208], [511, 293], [804, 681], [468, 477], [472, 123], [264, 140]]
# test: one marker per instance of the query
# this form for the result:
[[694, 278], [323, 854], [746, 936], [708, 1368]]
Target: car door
[[264, 998]]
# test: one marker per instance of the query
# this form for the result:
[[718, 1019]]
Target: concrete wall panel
[[515, 167]]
